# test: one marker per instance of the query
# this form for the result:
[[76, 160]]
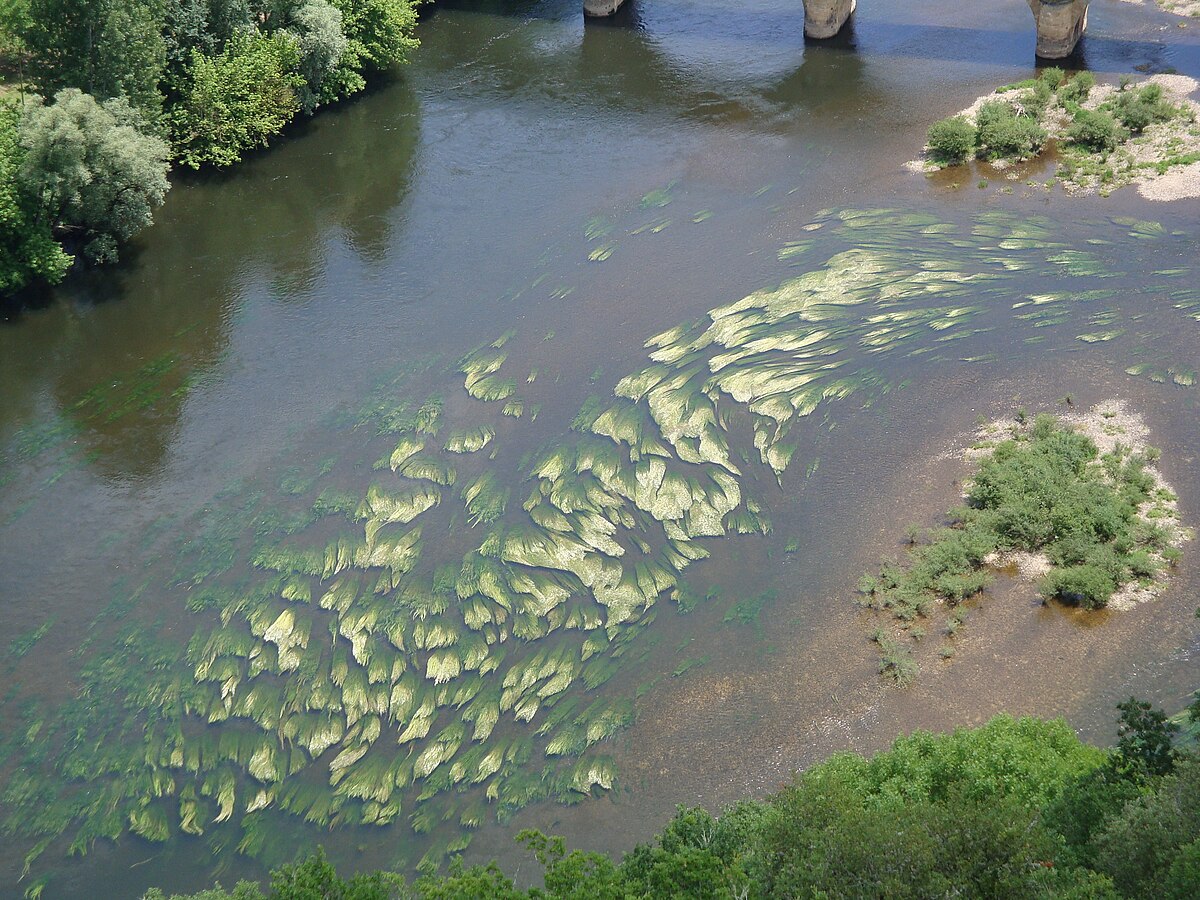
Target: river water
[[243, 381]]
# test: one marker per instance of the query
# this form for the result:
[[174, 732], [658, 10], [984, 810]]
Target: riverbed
[[569, 192]]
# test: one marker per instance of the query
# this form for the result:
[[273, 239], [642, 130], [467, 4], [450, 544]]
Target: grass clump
[[896, 662]]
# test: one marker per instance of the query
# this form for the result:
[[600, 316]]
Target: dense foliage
[[1046, 489], [1016, 808], [140, 83]]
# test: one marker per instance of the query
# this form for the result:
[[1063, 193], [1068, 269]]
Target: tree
[[237, 100], [28, 251], [321, 43], [14, 21], [106, 48], [380, 35], [1145, 740], [91, 170]]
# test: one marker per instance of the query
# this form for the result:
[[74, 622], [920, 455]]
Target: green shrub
[[1077, 89], [1053, 77], [1138, 109], [952, 140], [1035, 101], [1095, 130], [1084, 585], [1004, 134]]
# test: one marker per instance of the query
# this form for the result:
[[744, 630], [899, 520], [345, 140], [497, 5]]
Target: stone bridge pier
[[1060, 23]]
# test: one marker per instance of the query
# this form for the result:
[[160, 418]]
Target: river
[[521, 210]]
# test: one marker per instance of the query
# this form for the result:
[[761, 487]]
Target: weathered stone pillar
[[1060, 25], [825, 18], [599, 8]]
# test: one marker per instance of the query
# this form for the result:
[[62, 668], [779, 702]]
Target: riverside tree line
[[1015, 808], [102, 97]]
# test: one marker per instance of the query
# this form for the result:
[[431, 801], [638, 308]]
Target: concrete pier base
[[601, 8], [825, 18], [1060, 25]]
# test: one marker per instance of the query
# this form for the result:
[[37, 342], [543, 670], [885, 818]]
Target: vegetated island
[[1105, 135], [1073, 502], [1014, 808], [1187, 8]]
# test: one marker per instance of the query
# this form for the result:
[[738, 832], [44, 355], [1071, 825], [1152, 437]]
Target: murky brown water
[[452, 205]]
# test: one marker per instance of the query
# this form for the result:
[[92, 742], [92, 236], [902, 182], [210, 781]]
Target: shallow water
[[589, 188]]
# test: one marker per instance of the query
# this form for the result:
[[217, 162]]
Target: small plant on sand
[[896, 662]]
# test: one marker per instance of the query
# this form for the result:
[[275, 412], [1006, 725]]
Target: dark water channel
[[584, 189]]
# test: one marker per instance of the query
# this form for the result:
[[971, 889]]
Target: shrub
[[1053, 77], [1095, 130], [1004, 134], [1077, 89], [1138, 109], [1084, 585], [1036, 99], [952, 140]]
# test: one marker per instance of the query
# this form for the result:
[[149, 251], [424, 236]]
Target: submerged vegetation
[[434, 640], [1106, 137], [1093, 523], [1015, 808]]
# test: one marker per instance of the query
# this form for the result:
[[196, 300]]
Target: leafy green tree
[[28, 251], [14, 22], [106, 48], [321, 43], [237, 100], [91, 170], [316, 879], [1139, 847], [379, 35], [1145, 740]]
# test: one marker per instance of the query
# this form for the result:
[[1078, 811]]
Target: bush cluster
[[1003, 129], [1005, 134], [1138, 109], [1046, 490]]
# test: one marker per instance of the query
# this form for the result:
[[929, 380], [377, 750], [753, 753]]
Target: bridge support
[[1060, 25], [601, 8], [825, 18]]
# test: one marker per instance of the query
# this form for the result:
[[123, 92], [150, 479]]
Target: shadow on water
[[342, 183]]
